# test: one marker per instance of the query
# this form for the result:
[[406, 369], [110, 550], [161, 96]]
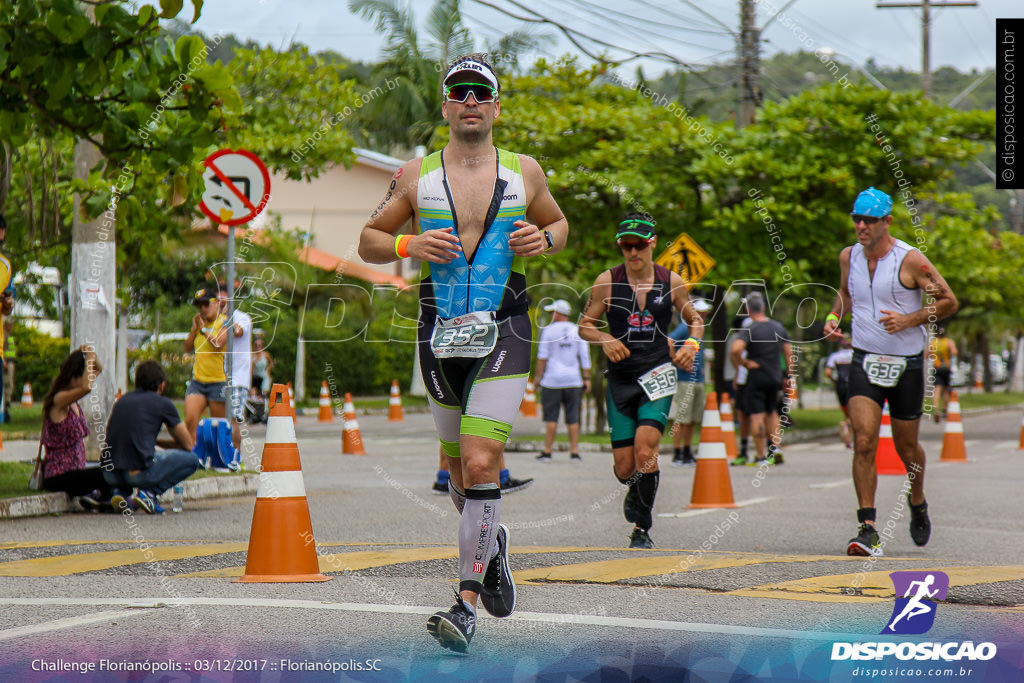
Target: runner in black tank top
[[637, 298]]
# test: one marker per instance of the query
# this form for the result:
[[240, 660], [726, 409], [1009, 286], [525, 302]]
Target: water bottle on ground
[[179, 496]]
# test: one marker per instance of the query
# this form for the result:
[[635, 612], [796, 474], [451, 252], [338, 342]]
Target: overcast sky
[[698, 32]]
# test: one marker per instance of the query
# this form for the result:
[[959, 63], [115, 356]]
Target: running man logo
[[686, 257], [914, 613]]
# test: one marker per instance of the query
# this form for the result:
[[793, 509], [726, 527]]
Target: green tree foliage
[[293, 108], [39, 358]]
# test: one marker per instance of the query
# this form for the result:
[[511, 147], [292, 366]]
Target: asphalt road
[[766, 600]]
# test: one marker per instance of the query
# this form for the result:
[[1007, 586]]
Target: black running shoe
[[920, 525], [640, 539], [439, 488], [575, 457], [678, 462], [630, 505], [454, 628], [499, 593], [512, 485], [688, 460], [544, 457], [866, 543]]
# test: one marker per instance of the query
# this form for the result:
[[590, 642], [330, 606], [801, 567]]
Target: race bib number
[[466, 336], [659, 382], [884, 371]]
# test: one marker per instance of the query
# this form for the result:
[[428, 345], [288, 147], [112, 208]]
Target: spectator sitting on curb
[[130, 460], [64, 431]]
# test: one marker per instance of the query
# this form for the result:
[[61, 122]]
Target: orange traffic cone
[[1021, 447], [528, 408], [887, 461], [792, 394], [281, 546], [953, 447], [291, 402], [26, 396], [351, 439], [325, 414], [712, 487], [728, 428], [119, 393], [395, 403], [1, 442]]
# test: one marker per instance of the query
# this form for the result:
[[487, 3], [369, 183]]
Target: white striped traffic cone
[[351, 438], [395, 403], [281, 547], [712, 485], [325, 405]]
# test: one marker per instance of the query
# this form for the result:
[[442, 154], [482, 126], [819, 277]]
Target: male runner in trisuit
[[881, 284], [638, 297], [470, 203]]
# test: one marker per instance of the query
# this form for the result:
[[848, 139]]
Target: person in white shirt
[[560, 359], [240, 369]]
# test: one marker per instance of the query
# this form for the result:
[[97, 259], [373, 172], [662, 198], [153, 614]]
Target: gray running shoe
[[455, 627], [865, 543], [499, 593]]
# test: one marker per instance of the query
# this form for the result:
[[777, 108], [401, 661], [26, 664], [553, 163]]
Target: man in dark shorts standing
[[881, 285], [477, 213], [563, 366], [765, 342], [638, 298]]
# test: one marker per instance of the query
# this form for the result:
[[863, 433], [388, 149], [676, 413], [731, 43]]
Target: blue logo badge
[[914, 612]]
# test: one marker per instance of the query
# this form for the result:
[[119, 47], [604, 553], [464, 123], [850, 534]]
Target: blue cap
[[872, 202]]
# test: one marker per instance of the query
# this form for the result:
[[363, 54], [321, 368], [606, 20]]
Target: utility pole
[[926, 33], [93, 296], [749, 63]]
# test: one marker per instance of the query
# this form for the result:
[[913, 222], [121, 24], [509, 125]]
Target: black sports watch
[[549, 239]]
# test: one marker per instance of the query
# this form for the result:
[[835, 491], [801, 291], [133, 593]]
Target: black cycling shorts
[[906, 399], [761, 394]]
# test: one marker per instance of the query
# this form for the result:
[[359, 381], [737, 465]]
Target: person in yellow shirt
[[944, 355], [208, 338]]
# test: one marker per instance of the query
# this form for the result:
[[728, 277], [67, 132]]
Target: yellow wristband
[[401, 245], [832, 316], [692, 342]]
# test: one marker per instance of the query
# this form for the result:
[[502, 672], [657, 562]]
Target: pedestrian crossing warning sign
[[686, 257]]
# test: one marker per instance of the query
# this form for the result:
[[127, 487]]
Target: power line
[[575, 36], [630, 17]]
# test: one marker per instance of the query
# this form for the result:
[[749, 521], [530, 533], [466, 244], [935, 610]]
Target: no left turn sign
[[237, 186]]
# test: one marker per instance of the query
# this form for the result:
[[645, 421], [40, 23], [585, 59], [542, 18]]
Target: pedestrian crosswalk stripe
[[611, 571], [63, 565], [873, 586], [347, 562]]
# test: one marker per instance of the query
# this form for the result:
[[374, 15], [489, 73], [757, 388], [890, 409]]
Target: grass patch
[[994, 399], [29, 420], [14, 479]]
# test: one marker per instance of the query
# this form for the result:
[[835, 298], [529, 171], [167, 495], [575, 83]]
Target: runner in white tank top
[[882, 283]]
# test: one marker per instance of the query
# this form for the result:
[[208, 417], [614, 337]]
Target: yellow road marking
[[339, 562], [90, 562], [11, 545], [610, 571], [874, 586], [350, 562]]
